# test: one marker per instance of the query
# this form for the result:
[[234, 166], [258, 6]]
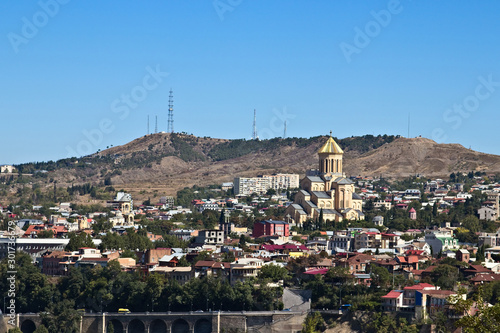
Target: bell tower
[[330, 158]]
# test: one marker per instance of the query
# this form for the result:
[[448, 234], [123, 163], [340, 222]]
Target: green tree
[[41, 329], [380, 276], [445, 276], [486, 319], [274, 273], [77, 241], [62, 317], [15, 330], [314, 323]]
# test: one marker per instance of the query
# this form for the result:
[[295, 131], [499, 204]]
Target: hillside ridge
[[167, 162]]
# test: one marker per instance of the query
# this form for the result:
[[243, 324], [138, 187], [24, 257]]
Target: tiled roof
[[321, 271], [315, 179], [321, 194], [392, 294]]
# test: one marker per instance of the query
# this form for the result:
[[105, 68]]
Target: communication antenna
[[156, 124], [170, 127], [408, 125], [254, 134], [148, 126], [284, 132]]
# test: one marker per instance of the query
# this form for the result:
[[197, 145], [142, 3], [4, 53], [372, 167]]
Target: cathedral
[[327, 190]]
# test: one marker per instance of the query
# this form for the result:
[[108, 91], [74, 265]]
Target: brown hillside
[[172, 170], [405, 157]]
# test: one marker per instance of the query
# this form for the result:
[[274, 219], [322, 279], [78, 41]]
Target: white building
[[7, 169], [283, 180], [247, 186], [440, 240]]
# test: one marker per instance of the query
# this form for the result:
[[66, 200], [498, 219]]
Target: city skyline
[[80, 77]]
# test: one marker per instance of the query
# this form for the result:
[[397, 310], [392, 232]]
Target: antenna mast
[[284, 132], [156, 124], [254, 134], [408, 125], [170, 126], [148, 126]]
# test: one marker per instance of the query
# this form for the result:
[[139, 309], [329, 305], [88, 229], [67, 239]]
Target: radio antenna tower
[[156, 124], [284, 132], [254, 135], [170, 126], [148, 126], [408, 126]]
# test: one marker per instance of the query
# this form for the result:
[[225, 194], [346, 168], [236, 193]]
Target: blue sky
[[353, 67]]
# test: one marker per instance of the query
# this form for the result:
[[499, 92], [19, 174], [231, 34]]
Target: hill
[[164, 163]]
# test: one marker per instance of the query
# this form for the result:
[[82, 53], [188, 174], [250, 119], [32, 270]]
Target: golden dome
[[330, 147]]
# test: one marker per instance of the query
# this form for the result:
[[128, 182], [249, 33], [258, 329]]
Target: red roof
[[321, 271], [392, 294], [478, 269], [419, 286]]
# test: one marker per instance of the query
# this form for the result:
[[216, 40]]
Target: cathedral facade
[[327, 190]]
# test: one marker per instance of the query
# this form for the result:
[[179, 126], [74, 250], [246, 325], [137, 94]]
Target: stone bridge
[[181, 322]]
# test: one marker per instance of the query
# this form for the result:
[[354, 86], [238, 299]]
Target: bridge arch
[[28, 326], [157, 326], [180, 326], [136, 326], [203, 326], [117, 326]]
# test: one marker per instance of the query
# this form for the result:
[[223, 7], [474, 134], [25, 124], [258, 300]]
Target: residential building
[[271, 228], [210, 237], [440, 240], [487, 213], [282, 181], [7, 168], [167, 200], [247, 186], [378, 220], [244, 268], [212, 268], [341, 243]]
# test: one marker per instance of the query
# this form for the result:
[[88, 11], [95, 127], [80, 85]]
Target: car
[[121, 310]]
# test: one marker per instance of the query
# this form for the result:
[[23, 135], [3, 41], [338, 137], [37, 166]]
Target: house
[[51, 263], [271, 228], [211, 237], [244, 268], [154, 255], [212, 268], [463, 255], [393, 301], [357, 263], [378, 220], [341, 243], [431, 302], [180, 274], [408, 263], [440, 240], [487, 213], [367, 240]]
